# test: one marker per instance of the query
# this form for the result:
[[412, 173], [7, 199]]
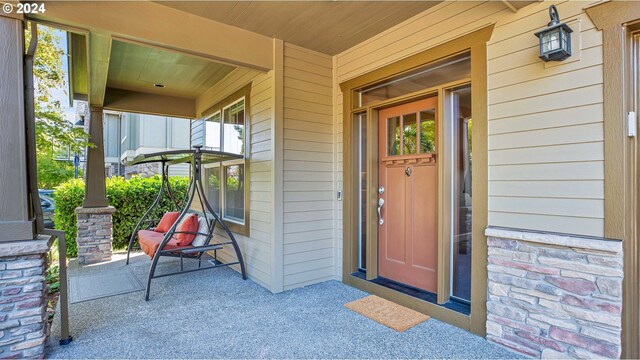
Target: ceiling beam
[[165, 27], [145, 103], [508, 4]]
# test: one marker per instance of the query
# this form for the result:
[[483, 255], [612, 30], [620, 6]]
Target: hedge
[[131, 198]]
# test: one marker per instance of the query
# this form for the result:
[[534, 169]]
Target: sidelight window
[[462, 195]]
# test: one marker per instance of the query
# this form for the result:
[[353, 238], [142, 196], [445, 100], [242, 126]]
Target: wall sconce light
[[555, 40]]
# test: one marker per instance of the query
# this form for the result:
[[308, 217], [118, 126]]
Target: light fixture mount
[[555, 39]]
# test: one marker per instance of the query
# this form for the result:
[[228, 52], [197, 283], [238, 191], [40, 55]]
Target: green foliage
[[53, 131], [52, 173], [68, 197], [53, 278], [131, 198], [214, 179]]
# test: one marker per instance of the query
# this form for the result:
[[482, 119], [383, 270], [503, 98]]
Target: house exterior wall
[[257, 247], [309, 195], [306, 246], [546, 173], [546, 142], [141, 133]]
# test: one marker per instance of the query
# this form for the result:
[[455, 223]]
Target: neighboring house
[[127, 135], [419, 151]]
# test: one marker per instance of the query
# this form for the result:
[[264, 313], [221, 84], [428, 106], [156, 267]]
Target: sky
[[61, 94]]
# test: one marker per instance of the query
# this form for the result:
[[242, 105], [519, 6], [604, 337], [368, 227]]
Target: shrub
[[68, 196], [131, 198]]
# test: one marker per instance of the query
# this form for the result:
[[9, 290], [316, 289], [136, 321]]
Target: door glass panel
[[409, 135], [393, 134], [428, 131], [462, 158]]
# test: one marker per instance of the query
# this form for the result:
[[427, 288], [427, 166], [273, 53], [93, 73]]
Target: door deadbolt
[[381, 190]]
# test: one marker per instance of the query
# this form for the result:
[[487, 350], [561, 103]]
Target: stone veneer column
[[95, 234], [554, 296], [23, 298]]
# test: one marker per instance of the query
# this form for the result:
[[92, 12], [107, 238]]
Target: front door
[[407, 223]]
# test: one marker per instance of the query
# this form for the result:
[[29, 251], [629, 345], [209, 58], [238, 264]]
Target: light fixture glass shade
[[551, 41]]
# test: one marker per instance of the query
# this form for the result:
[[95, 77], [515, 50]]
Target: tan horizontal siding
[[568, 189], [574, 134], [308, 158], [554, 223], [576, 171], [577, 115], [587, 208], [546, 136], [575, 152]]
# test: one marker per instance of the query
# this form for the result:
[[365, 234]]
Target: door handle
[[380, 204]]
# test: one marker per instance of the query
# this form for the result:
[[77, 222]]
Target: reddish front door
[[407, 225]]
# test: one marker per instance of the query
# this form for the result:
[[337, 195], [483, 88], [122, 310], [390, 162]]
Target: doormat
[[387, 313], [96, 286]]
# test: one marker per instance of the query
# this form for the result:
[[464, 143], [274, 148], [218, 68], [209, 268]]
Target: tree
[[52, 173], [53, 131]]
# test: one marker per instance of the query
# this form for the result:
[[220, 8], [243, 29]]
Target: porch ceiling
[[328, 27], [137, 68]]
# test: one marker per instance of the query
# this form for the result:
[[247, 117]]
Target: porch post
[[95, 187], [16, 221], [95, 217], [23, 254]]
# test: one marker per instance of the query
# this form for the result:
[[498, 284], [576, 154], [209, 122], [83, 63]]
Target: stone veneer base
[[554, 296], [23, 298], [95, 234]]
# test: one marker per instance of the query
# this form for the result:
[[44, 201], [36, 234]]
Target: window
[[212, 136], [453, 68], [226, 183]]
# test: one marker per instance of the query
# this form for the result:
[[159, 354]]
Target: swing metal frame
[[196, 158]]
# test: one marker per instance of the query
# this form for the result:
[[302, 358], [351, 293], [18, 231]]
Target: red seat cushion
[[150, 240], [188, 224], [167, 221]]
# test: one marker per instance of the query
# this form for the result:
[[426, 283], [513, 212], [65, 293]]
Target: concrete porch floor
[[215, 314]]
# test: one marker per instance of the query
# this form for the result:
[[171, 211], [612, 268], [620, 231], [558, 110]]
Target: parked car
[[48, 207]]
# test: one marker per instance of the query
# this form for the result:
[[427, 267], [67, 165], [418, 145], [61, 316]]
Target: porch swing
[[185, 233]]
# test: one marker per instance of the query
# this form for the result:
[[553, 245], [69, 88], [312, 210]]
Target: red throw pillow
[[167, 221], [190, 224]]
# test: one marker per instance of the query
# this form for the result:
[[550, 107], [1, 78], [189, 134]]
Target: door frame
[[475, 43], [618, 20]]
